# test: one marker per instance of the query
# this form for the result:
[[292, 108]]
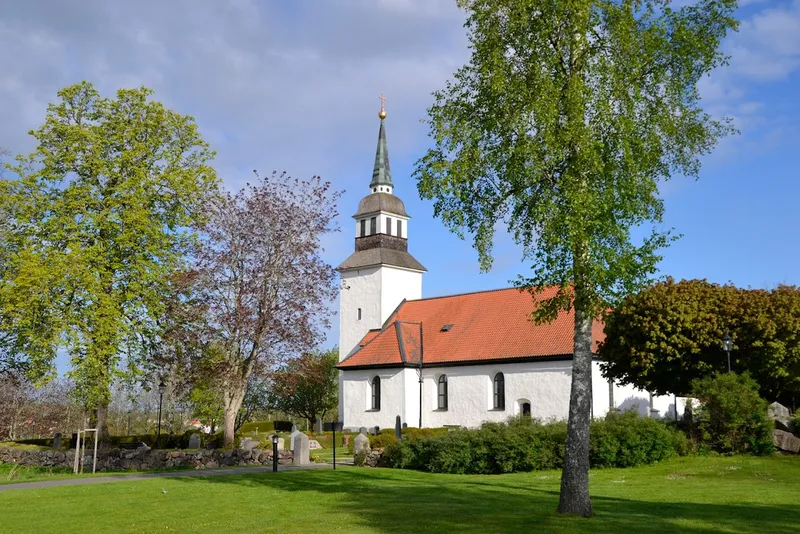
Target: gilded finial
[[382, 113]]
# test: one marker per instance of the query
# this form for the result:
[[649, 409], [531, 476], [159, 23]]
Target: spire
[[381, 174]]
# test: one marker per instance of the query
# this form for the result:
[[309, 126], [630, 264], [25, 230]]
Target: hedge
[[523, 444]]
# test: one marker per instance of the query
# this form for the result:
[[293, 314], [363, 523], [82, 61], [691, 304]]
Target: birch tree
[[562, 125]]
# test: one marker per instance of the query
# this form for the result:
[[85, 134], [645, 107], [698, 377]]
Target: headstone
[[294, 434], [314, 444], [57, 441], [376, 430], [346, 442], [405, 425], [786, 441], [361, 444], [294, 428], [319, 426], [780, 414], [362, 430], [398, 428], [300, 448], [248, 444], [194, 441]]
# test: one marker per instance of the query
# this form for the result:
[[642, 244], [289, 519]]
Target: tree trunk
[[100, 421], [574, 497], [233, 401]]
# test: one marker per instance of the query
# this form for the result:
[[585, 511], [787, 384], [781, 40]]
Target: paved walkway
[[173, 474]]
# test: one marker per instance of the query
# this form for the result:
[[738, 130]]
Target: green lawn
[[688, 494]]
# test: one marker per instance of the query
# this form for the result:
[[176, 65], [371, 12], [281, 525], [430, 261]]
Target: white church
[[456, 360]]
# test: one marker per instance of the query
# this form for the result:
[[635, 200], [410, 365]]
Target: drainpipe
[[420, 374]]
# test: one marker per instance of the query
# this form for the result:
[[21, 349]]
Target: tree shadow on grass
[[389, 501]]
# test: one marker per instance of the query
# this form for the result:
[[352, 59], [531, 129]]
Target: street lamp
[[274, 453], [161, 389], [727, 345]]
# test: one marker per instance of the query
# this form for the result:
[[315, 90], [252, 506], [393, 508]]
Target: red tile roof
[[486, 326]]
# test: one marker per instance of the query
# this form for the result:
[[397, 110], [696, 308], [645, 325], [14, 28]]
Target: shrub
[[382, 440], [731, 416], [262, 426], [794, 423], [523, 444], [626, 439]]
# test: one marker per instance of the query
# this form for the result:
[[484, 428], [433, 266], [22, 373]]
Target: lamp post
[[274, 453], [161, 389], [727, 345]]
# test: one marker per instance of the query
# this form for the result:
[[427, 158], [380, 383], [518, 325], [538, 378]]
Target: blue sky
[[294, 86]]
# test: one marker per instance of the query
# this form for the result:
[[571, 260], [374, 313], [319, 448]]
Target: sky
[[294, 86]]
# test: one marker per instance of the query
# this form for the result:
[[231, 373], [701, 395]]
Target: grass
[[740, 494]]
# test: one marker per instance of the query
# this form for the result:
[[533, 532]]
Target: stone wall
[[144, 459]]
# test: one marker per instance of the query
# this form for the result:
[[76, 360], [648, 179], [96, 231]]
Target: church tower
[[381, 272]]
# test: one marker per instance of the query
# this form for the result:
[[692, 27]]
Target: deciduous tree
[[260, 281], [670, 334], [101, 211], [561, 126], [307, 386]]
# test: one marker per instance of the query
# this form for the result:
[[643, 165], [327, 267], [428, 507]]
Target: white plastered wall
[[546, 385]]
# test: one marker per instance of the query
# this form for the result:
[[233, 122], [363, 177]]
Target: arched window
[[442, 392], [376, 393], [499, 392]]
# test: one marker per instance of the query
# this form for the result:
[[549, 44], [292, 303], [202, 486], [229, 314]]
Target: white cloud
[[767, 46]]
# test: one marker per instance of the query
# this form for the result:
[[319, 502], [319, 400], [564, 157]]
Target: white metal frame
[[79, 457]]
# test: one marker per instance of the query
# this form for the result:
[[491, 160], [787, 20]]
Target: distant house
[[453, 360]]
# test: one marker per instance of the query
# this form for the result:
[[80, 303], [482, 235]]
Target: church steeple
[[381, 173]]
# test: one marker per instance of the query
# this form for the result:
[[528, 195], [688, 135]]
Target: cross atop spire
[[381, 174]]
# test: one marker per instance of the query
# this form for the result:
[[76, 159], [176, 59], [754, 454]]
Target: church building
[[456, 360]]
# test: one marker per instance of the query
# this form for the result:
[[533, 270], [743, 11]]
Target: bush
[[262, 426], [794, 423], [626, 439], [523, 444], [732, 417], [382, 440]]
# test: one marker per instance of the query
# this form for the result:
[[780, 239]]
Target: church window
[[373, 223], [376, 393], [399, 228], [499, 392], [442, 392], [388, 226], [374, 189], [359, 314], [526, 409]]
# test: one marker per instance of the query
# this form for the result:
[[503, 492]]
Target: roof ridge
[[469, 293]]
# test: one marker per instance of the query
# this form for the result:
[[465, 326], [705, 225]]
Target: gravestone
[[405, 425], [300, 448], [398, 428], [57, 441], [319, 426], [314, 444], [346, 442], [361, 444], [294, 428], [248, 444], [362, 430], [376, 430], [294, 434], [194, 441]]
